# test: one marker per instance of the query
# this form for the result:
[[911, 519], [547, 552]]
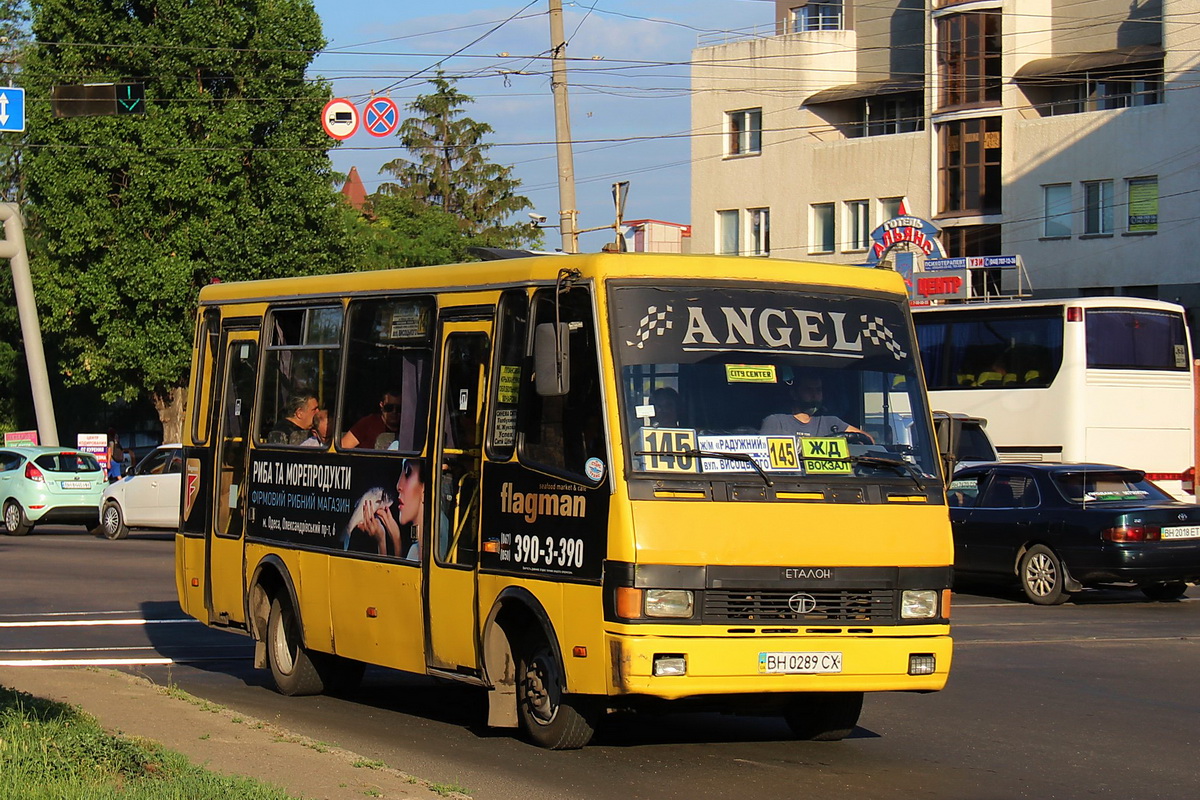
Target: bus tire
[[112, 522], [549, 716], [823, 716], [293, 670], [1043, 577], [1164, 592], [15, 521]]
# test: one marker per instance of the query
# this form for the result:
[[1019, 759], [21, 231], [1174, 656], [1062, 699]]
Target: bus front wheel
[[824, 716], [293, 670], [550, 717]]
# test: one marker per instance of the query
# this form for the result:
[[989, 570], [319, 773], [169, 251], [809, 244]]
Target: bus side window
[[512, 320], [303, 352], [564, 433], [388, 356]]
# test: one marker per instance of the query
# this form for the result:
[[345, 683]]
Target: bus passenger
[[367, 432], [318, 435], [806, 396], [295, 426]]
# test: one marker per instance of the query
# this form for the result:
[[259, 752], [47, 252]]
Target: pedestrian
[[116, 456]]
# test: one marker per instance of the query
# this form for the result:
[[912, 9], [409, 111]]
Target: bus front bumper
[[651, 665]]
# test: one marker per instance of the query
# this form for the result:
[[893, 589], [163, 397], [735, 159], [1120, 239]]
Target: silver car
[[148, 497]]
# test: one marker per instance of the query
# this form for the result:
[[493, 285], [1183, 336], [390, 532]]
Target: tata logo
[[802, 603]]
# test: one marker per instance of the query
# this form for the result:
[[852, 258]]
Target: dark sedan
[[1058, 528]]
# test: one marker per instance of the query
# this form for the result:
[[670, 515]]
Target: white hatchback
[[148, 497]]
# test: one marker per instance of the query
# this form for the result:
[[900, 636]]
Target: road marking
[[68, 614], [82, 623], [106, 662], [1078, 640]]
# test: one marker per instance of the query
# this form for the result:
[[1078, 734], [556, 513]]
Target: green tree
[[226, 177], [450, 170], [401, 231]]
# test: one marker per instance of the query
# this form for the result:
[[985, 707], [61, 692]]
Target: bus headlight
[[918, 604], [675, 603]]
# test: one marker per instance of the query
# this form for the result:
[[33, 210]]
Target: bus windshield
[[783, 383]]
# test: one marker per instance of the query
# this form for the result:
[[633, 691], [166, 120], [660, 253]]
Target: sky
[[628, 90]]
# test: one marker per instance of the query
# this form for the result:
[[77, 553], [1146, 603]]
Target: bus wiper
[[694, 453], [901, 466]]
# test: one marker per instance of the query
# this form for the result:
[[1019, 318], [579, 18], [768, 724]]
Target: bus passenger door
[[223, 555], [451, 618]]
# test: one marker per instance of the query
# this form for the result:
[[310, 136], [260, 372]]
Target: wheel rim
[[112, 520], [538, 683], [1041, 575], [281, 646], [12, 516]]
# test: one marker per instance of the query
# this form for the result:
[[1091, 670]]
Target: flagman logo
[[655, 322]]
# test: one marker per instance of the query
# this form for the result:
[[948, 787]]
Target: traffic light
[[98, 99]]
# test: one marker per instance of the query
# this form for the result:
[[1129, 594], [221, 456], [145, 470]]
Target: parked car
[[148, 497], [41, 485], [1058, 528]]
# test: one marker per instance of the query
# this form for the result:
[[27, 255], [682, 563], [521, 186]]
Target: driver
[[806, 396]]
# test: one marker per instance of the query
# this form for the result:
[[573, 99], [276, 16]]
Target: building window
[[822, 239], [970, 166], [889, 207], [760, 231], [1143, 205], [858, 222], [745, 132], [1057, 210], [1097, 207], [976, 240], [897, 113], [1097, 90], [728, 243], [817, 15], [969, 50]]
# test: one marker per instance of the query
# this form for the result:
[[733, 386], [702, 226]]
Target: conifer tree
[[450, 169]]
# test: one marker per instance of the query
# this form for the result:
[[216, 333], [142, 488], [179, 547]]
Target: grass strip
[[51, 751]]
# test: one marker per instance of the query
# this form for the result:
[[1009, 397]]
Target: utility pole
[[562, 131], [13, 248]]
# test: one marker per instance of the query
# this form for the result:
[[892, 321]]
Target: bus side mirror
[[949, 432], [551, 360]]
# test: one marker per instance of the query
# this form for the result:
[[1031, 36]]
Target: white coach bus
[[1101, 379]]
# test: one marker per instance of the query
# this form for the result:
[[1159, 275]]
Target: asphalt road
[[1095, 698]]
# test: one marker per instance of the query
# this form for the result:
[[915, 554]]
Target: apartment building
[[1058, 130]]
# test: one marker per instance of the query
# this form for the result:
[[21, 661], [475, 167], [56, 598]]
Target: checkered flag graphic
[[880, 335], [655, 322]]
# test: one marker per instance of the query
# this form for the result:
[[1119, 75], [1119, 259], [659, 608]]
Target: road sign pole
[[13, 248]]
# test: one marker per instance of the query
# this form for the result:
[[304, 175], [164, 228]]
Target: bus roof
[[1110, 301], [522, 271]]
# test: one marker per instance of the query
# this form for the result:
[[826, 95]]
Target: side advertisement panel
[[361, 504], [536, 525]]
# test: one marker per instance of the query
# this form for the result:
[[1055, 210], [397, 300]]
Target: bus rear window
[[1123, 338]]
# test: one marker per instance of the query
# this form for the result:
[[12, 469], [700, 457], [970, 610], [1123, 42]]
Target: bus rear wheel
[[824, 716], [291, 667], [550, 717]]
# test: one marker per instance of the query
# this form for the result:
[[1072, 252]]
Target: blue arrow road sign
[[12, 108]]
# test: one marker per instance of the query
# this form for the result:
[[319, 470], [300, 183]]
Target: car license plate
[[1180, 532], [798, 663], [76, 484]]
